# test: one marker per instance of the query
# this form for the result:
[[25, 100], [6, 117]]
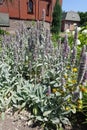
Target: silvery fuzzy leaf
[[65, 121], [80, 95], [73, 110], [67, 97], [46, 113], [39, 118], [55, 120], [52, 82], [3, 115]]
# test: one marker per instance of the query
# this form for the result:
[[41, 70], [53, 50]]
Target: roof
[[4, 19], [71, 16]]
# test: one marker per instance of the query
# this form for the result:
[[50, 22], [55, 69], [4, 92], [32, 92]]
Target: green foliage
[[40, 77], [84, 102], [18, 93], [83, 35], [82, 38], [55, 38], [2, 32], [83, 18], [56, 23]]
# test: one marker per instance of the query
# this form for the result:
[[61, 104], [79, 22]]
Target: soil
[[16, 121]]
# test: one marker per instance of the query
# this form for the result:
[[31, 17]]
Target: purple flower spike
[[84, 78], [83, 50], [73, 55], [49, 90], [76, 35], [43, 14], [82, 67]]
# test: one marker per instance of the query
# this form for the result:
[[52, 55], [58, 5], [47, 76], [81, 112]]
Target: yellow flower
[[69, 80], [66, 86], [79, 102], [83, 89], [68, 67], [74, 81], [68, 99], [67, 108], [54, 90], [74, 69], [62, 92], [65, 76], [79, 106]]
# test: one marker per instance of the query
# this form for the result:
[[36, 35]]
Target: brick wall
[[18, 12], [18, 9], [15, 25]]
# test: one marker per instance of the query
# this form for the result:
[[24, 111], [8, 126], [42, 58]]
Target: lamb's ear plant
[[41, 78]]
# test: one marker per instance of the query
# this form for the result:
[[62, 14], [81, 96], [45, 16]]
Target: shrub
[[56, 22]]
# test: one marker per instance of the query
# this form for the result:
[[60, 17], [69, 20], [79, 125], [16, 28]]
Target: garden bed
[[19, 121], [47, 80]]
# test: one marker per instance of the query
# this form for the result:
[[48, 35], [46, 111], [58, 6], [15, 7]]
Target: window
[[68, 25], [47, 9], [1, 2], [30, 7]]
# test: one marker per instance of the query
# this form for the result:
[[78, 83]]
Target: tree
[[83, 18], [56, 22]]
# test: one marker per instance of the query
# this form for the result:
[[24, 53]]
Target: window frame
[[30, 11], [1, 2], [48, 9]]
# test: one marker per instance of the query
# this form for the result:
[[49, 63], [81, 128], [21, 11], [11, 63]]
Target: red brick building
[[28, 9]]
